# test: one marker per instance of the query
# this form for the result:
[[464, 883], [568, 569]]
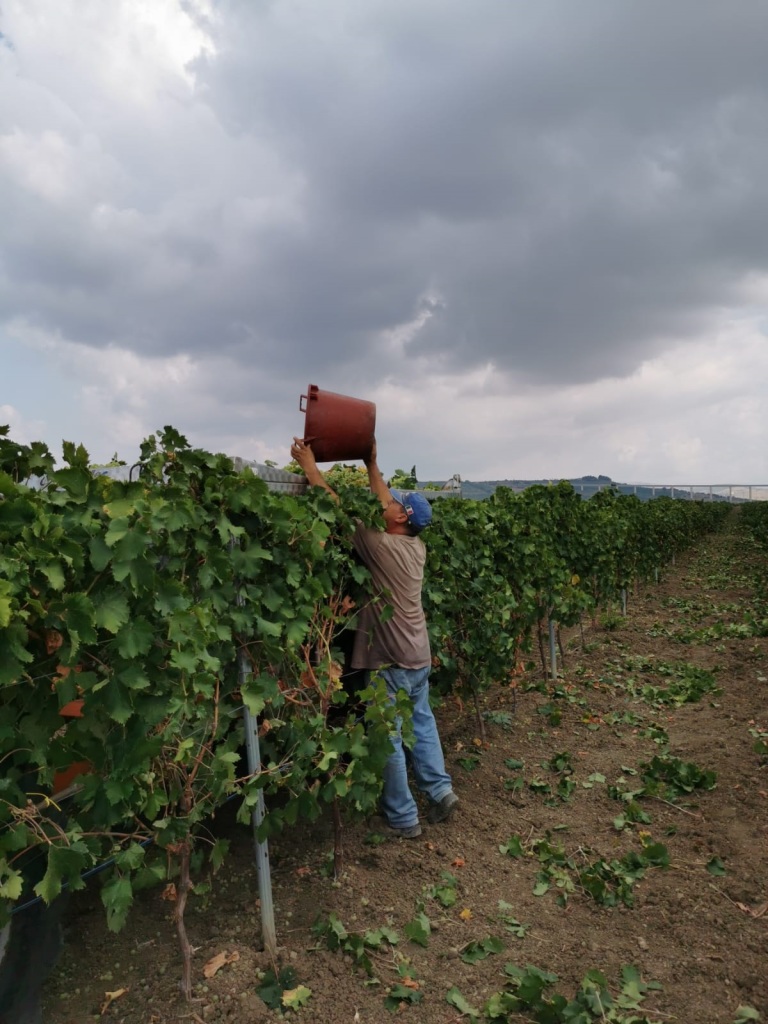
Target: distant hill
[[584, 485]]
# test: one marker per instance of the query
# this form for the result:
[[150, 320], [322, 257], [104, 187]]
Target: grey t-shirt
[[396, 563]]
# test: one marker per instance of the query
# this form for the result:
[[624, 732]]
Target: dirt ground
[[698, 927]]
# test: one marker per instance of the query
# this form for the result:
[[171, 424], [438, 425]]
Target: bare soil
[[699, 929]]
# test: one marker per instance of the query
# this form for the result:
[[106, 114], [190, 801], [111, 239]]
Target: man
[[397, 648]]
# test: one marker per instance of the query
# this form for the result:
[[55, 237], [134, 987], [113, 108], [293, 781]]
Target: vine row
[[125, 605]]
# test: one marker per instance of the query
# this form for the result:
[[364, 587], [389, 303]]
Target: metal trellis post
[[286, 483], [261, 846], [552, 651]]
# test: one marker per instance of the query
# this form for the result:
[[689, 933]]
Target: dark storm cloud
[[577, 185], [567, 188]]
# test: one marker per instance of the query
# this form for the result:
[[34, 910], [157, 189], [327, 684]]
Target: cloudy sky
[[535, 234]]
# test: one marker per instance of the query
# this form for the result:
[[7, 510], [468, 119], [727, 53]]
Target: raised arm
[[305, 457], [376, 480]]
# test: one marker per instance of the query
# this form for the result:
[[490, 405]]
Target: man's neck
[[398, 529]]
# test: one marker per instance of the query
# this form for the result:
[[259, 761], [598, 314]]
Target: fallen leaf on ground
[[458, 863], [110, 997], [292, 998], [218, 961], [410, 983]]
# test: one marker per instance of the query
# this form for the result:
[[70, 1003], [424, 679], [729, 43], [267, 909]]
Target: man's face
[[394, 514]]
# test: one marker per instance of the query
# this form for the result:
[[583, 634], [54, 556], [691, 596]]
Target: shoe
[[411, 832], [380, 824], [443, 809]]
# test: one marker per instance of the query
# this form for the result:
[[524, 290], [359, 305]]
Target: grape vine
[[126, 604]]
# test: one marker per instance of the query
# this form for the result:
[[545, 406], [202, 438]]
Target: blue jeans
[[426, 757]]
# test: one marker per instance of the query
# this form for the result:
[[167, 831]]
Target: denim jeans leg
[[397, 801], [426, 756], [427, 761]]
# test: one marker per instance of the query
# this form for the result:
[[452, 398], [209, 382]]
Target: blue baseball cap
[[416, 506]]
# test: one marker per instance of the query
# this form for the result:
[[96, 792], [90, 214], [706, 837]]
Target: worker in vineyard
[[397, 648]]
